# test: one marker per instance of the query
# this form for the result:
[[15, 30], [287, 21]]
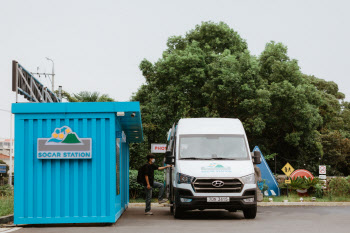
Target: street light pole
[[11, 145], [53, 74]]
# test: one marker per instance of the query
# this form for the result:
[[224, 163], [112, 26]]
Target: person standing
[[150, 183]]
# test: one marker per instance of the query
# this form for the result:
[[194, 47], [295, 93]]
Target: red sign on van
[[158, 148]]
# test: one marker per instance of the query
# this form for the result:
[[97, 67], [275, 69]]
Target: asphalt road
[[269, 220]]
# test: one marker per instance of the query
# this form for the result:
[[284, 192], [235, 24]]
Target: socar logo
[[63, 135], [214, 167]]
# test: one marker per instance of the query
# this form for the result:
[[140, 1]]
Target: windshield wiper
[[222, 159], [194, 158]]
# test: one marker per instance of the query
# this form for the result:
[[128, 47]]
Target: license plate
[[218, 199]]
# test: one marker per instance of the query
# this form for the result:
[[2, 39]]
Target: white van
[[213, 167]]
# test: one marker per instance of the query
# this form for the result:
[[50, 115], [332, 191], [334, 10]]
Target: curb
[[304, 204], [6, 219], [143, 205], [265, 204]]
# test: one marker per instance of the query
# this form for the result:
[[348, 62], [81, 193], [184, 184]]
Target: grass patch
[[142, 200], [293, 197], [6, 205]]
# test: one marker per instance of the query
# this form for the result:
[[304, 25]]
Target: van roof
[[210, 126]]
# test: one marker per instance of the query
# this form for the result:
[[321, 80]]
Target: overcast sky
[[98, 45]]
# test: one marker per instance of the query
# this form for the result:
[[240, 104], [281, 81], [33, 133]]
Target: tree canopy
[[209, 72], [86, 96]]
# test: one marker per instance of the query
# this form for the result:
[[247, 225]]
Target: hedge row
[[136, 190]]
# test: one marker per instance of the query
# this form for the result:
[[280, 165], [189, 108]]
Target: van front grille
[[223, 185]]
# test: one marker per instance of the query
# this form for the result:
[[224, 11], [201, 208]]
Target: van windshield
[[213, 147]]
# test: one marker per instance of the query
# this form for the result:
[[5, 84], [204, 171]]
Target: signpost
[[288, 170], [322, 170], [2, 171], [158, 148], [2, 168]]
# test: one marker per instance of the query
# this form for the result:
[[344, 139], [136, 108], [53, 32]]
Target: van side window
[[174, 148]]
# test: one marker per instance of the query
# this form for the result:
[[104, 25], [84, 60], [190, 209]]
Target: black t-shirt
[[149, 171]]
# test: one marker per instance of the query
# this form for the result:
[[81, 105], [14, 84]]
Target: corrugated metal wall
[[65, 190]]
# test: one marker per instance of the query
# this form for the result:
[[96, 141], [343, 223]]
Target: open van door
[[169, 159]]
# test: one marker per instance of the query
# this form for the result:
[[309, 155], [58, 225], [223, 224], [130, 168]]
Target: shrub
[[263, 186], [6, 190], [304, 183], [299, 183], [339, 187], [318, 191], [136, 190]]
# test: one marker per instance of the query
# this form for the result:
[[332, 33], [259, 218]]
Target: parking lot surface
[[269, 220]]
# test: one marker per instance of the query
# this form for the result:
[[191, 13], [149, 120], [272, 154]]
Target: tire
[[250, 213], [177, 211]]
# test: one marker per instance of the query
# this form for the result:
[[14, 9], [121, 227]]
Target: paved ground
[[269, 220]]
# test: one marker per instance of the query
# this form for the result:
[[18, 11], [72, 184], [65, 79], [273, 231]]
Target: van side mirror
[[256, 157], [169, 158]]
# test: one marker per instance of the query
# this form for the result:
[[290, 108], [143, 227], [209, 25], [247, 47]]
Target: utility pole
[[52, 74]]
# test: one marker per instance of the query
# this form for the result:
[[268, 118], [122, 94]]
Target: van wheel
[[177, 211], [250, 213]]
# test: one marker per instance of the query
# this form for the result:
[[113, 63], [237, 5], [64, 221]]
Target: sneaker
[[148, 213], [162, 201]]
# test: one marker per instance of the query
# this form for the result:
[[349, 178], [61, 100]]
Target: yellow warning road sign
[[288, 169], [287, 181]]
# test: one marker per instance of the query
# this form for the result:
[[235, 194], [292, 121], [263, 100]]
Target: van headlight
[[184, 179], [249, 179]]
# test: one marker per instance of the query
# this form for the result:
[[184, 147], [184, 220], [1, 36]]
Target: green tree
[[209, 72], [86, 96], [345, 119], [336, 152], [293, 117], [334, 131]]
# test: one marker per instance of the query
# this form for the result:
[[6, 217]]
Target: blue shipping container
[[72, 161]]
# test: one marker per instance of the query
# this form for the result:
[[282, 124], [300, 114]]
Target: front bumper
[[200, 202]]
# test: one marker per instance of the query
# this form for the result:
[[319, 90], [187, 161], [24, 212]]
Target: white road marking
[[11, 230]]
